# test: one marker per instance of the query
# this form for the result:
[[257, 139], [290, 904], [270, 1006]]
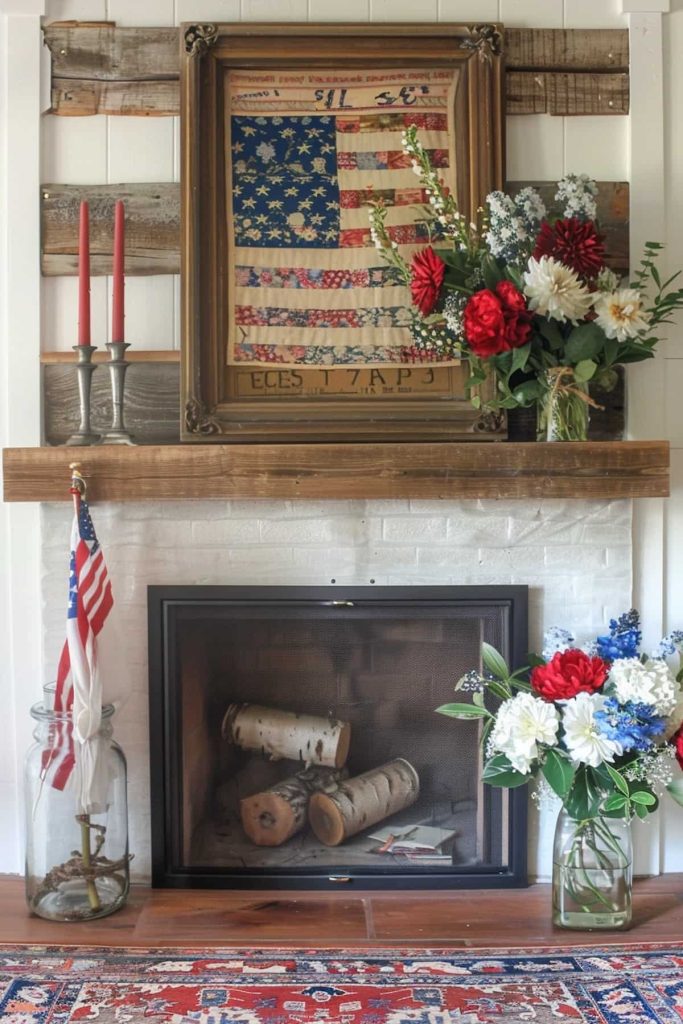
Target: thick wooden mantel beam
[[614, 469]]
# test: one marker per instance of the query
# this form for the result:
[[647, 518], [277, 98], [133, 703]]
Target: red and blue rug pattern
[[608, 984]]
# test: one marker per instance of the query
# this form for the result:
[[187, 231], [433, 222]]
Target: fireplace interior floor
[[223, 843]]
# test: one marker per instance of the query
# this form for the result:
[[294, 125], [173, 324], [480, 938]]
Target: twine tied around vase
[[559, 386]]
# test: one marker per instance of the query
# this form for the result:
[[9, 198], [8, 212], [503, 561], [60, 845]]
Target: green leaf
[[615, 802], [478, 699], [675, 789], [500, 688], [585, 342], [527, 392], [618, 779], [558, 772], [491, 272], [494, 662], [585, 370], [611, 350], [643, 797], [499, 772], [552, 334], [520, 357], [583, 799], [463, 711], [641, 811]]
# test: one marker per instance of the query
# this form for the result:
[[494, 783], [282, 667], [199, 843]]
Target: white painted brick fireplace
[[575, 556]]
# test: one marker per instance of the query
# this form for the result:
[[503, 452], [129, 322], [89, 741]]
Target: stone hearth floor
[[166, 917]]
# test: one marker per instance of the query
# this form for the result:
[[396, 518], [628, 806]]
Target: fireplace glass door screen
[[294, 738]]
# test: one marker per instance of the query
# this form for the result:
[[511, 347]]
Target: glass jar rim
[[41, 712]]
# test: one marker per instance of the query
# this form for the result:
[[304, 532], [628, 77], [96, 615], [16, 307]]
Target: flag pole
[[78, 490]]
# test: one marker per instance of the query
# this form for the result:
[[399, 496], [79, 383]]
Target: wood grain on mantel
[[614, 469]]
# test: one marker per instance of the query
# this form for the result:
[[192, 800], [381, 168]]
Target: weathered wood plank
[[101, 69], [567, 93], [613, 214], [152, 402], [614, 469], [568, 49], [152, 227]]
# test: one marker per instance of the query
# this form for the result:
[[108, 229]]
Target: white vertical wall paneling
[[20, 595], [645, 415]]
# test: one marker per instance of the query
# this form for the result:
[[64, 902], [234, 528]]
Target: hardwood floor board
[[475, 919]]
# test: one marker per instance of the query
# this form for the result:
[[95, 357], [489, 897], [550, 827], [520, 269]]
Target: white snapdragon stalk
[[650, 683], [582, 737], [521, 724]]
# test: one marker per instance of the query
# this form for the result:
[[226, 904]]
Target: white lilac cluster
[[513, 224], [576, 193], [451, 222]]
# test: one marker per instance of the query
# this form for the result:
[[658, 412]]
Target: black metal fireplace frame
[[164, 725]]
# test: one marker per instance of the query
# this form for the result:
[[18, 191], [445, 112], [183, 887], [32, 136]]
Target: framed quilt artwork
[[294, 328]]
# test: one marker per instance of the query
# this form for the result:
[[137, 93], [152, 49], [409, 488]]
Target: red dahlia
[[574, 242], [427, 271], [568, 673], [496, 322]]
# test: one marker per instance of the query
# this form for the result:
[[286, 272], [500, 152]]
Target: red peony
[[427, 270], [497, 321], [574, 242], [677, 741], [568, 673]]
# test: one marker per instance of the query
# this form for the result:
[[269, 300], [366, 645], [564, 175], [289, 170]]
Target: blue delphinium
[[633, 725], [624, 638], [669, 644]]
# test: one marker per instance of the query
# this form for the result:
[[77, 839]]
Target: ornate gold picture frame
[[292, 329]]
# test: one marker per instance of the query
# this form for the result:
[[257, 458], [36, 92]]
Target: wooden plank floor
[[228, 918]]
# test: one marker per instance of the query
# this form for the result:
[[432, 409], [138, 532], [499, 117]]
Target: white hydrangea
[[555, 291], [651, 683], [521, 724], [582, 736]]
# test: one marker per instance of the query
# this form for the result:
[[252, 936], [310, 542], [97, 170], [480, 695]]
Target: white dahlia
[[620, 313], [556, 291], [651, 683], [521, 724], [582, 737]]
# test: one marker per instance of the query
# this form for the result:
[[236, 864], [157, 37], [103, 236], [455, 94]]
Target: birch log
[[363, 801], [309, 738], [270, 818]]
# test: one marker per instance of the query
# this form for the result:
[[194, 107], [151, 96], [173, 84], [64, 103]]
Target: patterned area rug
[[611, 984]]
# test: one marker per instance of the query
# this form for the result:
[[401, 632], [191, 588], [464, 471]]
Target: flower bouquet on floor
[[601, 728], [527, 298]]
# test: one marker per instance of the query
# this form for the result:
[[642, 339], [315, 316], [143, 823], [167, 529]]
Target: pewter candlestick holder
[[84, 369], [117, 434]]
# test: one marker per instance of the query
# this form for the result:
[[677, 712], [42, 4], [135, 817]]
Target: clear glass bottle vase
[[563, 413], [592, 872], [77, 864]]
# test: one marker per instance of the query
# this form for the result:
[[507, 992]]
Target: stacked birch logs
[[336, 806]]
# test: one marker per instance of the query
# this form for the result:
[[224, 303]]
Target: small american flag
[[78, 688]]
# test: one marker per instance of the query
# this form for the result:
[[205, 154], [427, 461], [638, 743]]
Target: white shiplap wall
[[109, 150]]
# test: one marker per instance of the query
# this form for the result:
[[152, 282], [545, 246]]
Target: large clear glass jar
[[592, 872], [563, 412], [76, 863]]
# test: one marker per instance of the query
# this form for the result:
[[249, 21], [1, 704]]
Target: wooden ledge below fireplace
[[594, 469]]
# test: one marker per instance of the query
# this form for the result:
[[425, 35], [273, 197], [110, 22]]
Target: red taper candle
[[119, 246], [84, 276]]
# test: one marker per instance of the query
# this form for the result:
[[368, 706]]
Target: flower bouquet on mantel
[[601, 728], [527, 298]]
